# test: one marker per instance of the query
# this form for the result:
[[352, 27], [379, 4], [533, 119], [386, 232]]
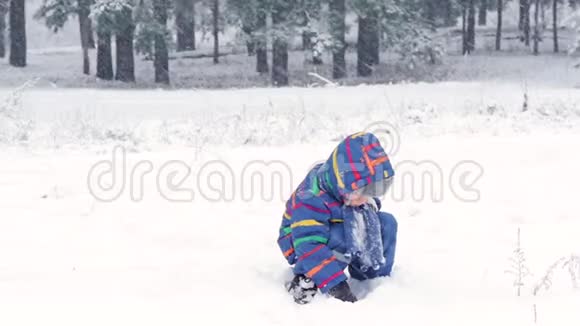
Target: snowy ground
[[69, 259]]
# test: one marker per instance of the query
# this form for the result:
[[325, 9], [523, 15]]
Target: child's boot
[[302, 289]]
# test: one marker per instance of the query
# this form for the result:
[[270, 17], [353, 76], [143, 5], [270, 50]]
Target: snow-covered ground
[[69, 259]]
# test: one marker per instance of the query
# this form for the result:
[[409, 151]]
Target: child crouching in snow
[[332, 221]]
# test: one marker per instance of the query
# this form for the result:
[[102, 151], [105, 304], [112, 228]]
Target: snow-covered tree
[[260, 37], [3, 12], [116, 17], [56, 13], [244, 15], [368, 43], [282, 31], [185, 24], [18, 49], [400, 25], [573, 21], [337, 25], [152, 36]]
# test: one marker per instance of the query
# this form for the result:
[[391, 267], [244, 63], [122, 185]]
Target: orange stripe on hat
[[368, 162], [379, 161]]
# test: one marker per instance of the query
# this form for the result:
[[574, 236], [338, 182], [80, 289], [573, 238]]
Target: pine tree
[[216, 30], [248, 30], [464, 37], [555, 25], [124, 37], [280, 11], [115, 17], [499, 25], [84, 10], [260, 36], [55, 13], [245, 13], [103, 13], [91, 33], [364, 47], [18, 33], [375, 37], [450, 12], [161, 61], [522, 11], [524, 21], [471, 27], [368, 39], [308, 12], [537, 27], [338, 30], [430, 9], [185, 24], [104, 55], [3, 11], [482, 15]]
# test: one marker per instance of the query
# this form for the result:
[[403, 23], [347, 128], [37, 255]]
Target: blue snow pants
[[337, 243]]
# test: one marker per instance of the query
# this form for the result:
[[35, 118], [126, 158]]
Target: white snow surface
[[69, 259]]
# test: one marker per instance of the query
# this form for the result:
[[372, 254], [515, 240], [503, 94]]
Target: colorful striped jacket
[[305, 231]]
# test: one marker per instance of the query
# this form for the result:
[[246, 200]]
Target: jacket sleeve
[[310, 235]]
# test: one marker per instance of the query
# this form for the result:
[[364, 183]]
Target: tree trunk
[[161, 60], [537, 28], [92, 43], [306, 43], [499, 25], [338, 29], [450, 18], [525, 21], [522, 10], [543, 16], [482, 17], [471, 27], [84, 10], [3, 11], [317, 54], [250, 43], [280, 45], [216, 31], [86, 62], [185, 24], [430, 13], [125, 54], [555, 25], [375, 45], [364, 47], [464, 27], [17, 33], [104, 56], [261, 39]]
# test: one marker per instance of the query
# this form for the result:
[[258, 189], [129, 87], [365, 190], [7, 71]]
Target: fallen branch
[[327, 81]]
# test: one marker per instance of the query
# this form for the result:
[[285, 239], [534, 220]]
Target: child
[[332, 221]]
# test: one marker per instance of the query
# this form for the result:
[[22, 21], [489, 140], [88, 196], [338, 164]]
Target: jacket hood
[[357, 161]]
